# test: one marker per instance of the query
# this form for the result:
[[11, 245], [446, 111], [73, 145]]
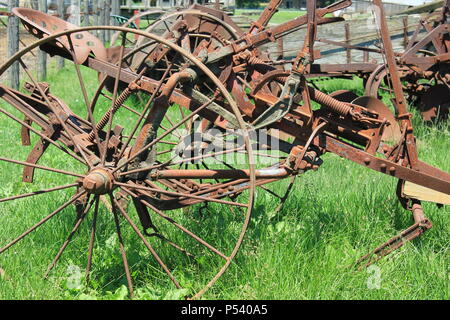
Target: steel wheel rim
[[21, 53]]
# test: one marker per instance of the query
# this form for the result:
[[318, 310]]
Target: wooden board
[[415, 191]]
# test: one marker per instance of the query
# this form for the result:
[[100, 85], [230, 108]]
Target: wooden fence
[[358, 32], [98, 12], [79, 12]]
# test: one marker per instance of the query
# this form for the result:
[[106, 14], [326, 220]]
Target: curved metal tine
[[270, 191], [84, 92], [173, 244], [23, 123], [37, 225], [69, 237], [39, 192], [265, 155], [147, 106], [49, 105], [286, 194], [114, 100], [121, 246], [92, 239], [183, 195], [164, 134], [23, 163], [177, 225], [146, 243]]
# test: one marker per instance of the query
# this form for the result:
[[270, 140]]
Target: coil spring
[[329, 102], [324, 99], [105, 119], [252, 60]]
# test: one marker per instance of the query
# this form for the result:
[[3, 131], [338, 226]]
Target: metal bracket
[[282, 106]]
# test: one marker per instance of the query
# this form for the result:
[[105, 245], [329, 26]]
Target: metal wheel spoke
[[123, 105], [114, 100], [121, 246], [49, 105], [92, 239], [149, 145], [173, 244], [177, 225], [69, 237], [23, 163], [84, 92], [37, 225], [23, 123], [146, 243], [144, 112], [35, 193]]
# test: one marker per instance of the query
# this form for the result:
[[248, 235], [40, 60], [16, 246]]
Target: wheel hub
[[98, 181]]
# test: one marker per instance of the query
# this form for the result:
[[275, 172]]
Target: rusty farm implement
[[215, 121]]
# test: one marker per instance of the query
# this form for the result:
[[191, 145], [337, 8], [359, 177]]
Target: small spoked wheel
[[119, 163]]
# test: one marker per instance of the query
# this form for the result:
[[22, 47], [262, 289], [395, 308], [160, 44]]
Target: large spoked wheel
[[429, 94], [198, 22], [195, 31], [146, 18], [123, 162]]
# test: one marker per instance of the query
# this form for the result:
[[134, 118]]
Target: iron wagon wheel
[[377, 83], [198, 18], [201, 33], [103, 168], [198, 27], [203, 37], [209, 36], [131, 23], [428, 94]]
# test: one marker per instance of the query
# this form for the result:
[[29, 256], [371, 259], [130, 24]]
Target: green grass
[[279, 17], [332, 217]]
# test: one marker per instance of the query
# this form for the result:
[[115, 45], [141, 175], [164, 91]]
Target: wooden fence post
[[107, 19], [101, 19], [95, 16], [95, 11], [280, 49], [61, 14], [42, 56], [13, 44], [86, 21], [115, 9], [347, 41], [405, 31]]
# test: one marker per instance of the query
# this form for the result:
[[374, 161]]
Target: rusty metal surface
[[220, 80]]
